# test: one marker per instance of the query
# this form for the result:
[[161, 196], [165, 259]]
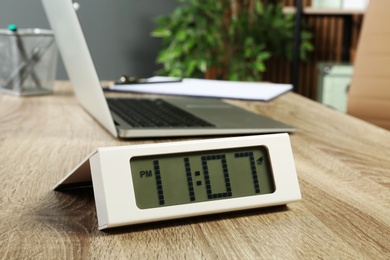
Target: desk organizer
[[28, 59]]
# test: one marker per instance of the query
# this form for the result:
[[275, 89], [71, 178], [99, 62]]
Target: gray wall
[[117, 32]]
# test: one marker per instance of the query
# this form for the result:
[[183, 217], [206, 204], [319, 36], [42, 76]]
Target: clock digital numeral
[[190, 182], [252, 167], [225, 171], [160, 190]]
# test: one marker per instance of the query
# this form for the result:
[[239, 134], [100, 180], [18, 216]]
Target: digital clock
[[178, 179], [152, 182]]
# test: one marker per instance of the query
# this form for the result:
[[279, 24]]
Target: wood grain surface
[[343, 166]]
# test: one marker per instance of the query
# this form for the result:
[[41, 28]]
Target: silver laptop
[[211, 116]]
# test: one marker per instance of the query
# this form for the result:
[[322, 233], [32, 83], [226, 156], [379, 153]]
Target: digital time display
[[176, 179]]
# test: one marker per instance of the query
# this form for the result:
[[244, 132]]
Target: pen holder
[[28, 61]]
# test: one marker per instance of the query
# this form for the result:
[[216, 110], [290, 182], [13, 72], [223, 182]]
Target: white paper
[[355, 4], [209, 88], [161, 79]]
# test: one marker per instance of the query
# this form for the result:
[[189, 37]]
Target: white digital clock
[[154, 182]]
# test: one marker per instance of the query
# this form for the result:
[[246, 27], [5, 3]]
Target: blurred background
[[117, 32], [119, 37]]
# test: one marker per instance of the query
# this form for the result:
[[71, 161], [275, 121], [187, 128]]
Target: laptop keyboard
[[153, 113]]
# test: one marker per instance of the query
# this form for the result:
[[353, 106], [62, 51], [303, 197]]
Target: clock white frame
[[109, 169]]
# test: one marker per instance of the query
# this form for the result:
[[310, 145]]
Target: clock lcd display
[[175, 179]]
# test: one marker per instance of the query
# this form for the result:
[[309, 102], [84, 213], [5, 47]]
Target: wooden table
[[343, 166]]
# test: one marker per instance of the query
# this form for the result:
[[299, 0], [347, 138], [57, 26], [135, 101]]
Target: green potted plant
[[225, 39]]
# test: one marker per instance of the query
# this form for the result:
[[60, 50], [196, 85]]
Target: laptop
[[206, 116]]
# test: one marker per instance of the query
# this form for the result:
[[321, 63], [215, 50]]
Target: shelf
[[324, 11], [301, 12]]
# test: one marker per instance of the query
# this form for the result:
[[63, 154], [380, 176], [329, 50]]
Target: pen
[[127, 80], [23, 70], [124, 79]]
